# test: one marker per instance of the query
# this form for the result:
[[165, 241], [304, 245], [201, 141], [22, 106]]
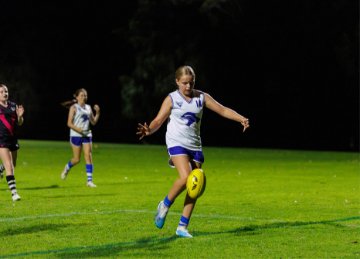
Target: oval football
[[196, 183]]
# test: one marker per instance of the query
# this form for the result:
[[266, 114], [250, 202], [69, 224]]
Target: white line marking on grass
[[61, 215]]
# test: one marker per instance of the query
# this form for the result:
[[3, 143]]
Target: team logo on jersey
[[190, 117], [84, 117], [179, 103], [199, 103]]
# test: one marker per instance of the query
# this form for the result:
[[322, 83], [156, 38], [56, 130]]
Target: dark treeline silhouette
[[290, 66]]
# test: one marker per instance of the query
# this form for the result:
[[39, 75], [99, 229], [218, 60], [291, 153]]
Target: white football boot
[[160, 217], [91, 184], [64, 173], [16, 197], [182, 231]]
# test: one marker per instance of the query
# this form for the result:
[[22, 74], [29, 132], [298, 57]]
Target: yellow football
[[196, 183]]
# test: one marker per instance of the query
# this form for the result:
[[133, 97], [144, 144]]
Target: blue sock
[[167, 202], [89, 172], [184, 221], [69, 165]]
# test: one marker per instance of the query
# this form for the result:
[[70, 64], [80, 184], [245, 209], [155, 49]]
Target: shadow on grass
[[158, 246], [41, 187], [79, 195], [151, 243], [128, 182], [253, 229], [32, 229], [54, 186]]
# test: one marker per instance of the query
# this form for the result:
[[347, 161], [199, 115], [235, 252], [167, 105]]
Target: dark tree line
[[291, 66]]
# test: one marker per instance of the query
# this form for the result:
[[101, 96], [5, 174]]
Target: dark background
[[291, 67]]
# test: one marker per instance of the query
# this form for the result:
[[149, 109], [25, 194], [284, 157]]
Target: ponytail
[[67, 104]]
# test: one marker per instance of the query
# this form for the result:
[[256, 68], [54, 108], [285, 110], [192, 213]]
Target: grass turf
[[258, 203]]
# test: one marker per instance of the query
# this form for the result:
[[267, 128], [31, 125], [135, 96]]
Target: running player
[[79, 119], [11, 115]]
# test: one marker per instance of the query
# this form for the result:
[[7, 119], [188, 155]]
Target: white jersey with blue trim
[[183, 128], [82, 120]]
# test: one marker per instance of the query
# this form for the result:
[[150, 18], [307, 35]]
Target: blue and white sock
[[89, 172], [184, 222], [167, 202], [68, 166]]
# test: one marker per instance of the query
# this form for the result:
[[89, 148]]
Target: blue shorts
[[197, 156], [78, 141]]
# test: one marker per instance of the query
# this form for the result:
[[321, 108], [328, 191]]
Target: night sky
[[291, 67]]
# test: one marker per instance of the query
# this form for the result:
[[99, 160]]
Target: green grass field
[[258, 203]]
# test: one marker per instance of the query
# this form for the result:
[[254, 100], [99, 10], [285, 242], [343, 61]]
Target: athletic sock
[[184, 221], [167, 202], [12, 184], [68, 166], [89, 172]]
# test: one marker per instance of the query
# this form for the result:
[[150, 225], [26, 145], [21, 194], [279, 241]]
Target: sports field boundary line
[[70, 214]]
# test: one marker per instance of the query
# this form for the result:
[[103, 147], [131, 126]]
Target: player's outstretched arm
[[226, 112], [164, 112]]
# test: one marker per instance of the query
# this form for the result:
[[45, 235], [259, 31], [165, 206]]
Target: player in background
[[79, 119], [11, 116], [183, 109]]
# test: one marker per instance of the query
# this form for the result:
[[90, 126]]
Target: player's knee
[[75, 161]]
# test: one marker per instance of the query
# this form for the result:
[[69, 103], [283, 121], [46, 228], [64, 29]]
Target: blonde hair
[[184, 70], [78, 91]]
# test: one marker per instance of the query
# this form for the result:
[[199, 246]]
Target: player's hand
[[245, 124], [19, 110], [142, 130], [85, 132], [97, 108]]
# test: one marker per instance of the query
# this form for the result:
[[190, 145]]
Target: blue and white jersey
[[183, 128], [82, 120]]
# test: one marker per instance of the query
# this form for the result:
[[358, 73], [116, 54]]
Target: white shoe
[[16, 197], [64, 173], [160, 217], [183, 232], [90, 184]]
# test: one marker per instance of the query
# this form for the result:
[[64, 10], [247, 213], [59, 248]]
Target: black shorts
[[12, 146]]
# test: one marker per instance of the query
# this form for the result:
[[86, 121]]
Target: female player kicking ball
[[184, 108]]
